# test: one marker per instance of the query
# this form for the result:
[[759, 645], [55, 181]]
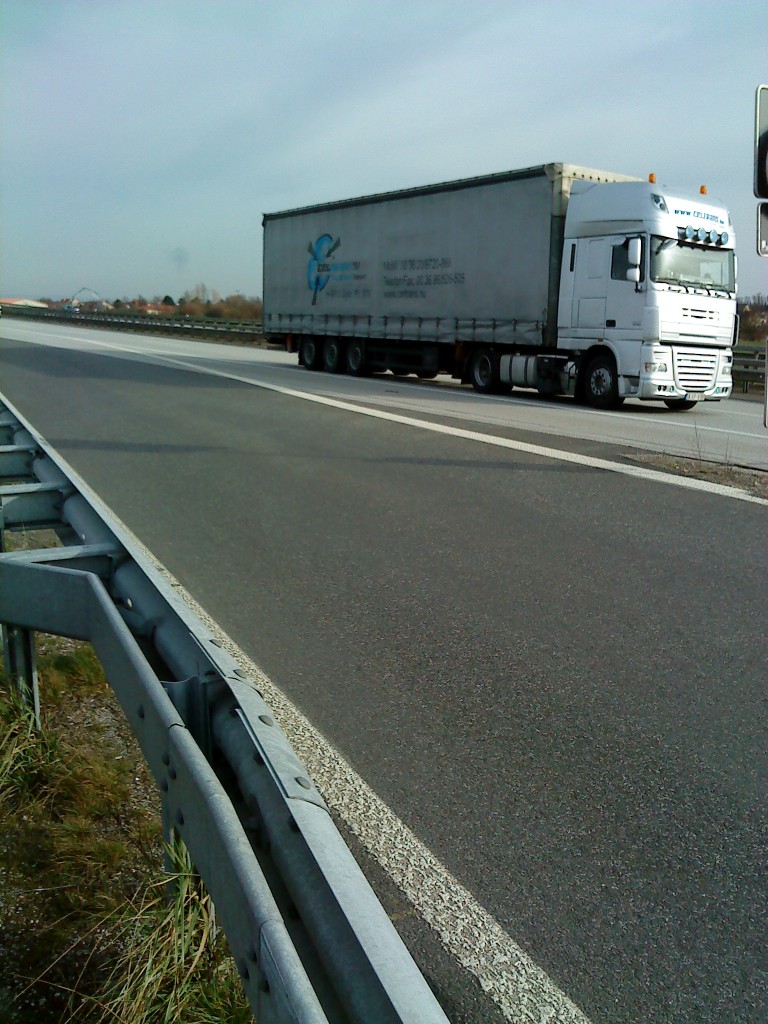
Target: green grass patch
[[173, 965], [82, 887], [30, 762]]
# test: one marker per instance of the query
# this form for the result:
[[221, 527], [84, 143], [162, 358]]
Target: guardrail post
[[20, 656], [169, 835], [190, 698], [21, 663]]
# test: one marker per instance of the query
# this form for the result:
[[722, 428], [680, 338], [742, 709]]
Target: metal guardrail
[[311, 942], [748, 368], [140, 321]]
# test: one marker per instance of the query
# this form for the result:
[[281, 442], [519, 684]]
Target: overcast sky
[[142, 141]]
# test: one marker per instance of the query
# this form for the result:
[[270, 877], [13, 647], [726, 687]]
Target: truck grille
[[690, 313], [695, 371]]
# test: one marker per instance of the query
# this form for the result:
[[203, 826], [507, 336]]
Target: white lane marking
[[504, 970], [625, 416], [638, 472], [692, 424]]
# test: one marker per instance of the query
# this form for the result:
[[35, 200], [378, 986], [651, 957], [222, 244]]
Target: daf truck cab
[[648, 294]]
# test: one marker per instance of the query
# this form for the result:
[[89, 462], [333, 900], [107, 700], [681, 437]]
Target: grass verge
[[86, 931], [172, 965]]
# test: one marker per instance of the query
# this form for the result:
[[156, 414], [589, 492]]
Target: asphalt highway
[[551, 673], [729, 432]]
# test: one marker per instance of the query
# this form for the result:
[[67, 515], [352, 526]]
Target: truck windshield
[[692, 266]]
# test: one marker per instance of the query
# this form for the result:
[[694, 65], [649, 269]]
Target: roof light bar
[[692, 234]]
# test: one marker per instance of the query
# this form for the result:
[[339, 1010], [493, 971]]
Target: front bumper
[[684, 373]]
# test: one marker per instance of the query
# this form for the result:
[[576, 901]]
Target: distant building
[[155, 309]]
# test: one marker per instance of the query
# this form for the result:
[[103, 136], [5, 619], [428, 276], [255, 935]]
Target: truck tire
[[356, 364], [310, 353], [333, 355], [679, 404], [601, 386], [484, 371]]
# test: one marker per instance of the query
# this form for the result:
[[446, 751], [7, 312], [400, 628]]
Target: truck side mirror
[[634, 254], [633, 274]]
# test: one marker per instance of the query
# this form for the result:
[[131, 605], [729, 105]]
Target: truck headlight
[[655, 367]]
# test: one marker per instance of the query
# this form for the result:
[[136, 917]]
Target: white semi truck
[[556, 277]]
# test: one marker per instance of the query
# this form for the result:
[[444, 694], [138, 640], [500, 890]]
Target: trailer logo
[[319, 268]]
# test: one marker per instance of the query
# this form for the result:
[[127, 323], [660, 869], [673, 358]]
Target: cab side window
[[620, 262]]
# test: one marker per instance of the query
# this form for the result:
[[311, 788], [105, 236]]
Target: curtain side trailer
[[560, 278]]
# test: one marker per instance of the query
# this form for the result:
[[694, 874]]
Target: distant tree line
[[196, 302], [199, 301], [753, 318]]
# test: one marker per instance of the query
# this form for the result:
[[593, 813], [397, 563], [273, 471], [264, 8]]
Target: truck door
[[590, 285], [604, 301], [623, 303]]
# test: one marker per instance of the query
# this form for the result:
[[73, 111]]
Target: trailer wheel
[[484, 371], [309, 353], [356, 359], [601, 388], [333, 356], [679, 404]]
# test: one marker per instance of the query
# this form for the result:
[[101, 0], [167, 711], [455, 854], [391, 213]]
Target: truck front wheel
[[309, 353], [601, 387], [484, 371], [333, 355]]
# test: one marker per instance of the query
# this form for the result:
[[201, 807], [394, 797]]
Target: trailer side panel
[[469, 263]]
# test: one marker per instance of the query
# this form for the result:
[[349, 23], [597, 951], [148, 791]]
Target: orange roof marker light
[[652, 178], [703, 190]]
